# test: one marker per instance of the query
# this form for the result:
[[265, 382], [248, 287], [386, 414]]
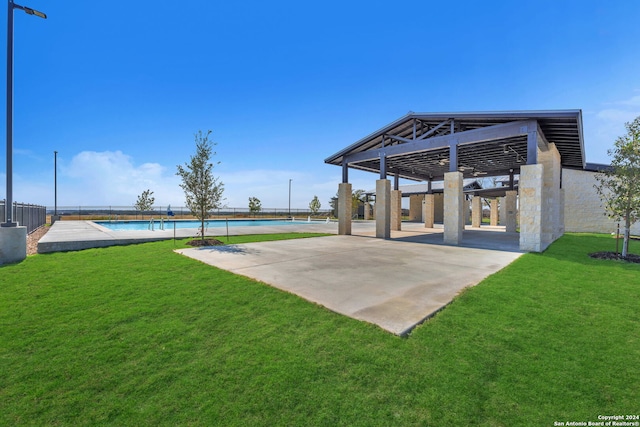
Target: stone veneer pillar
[[438, 206], [552, 203], [476, 211], [396, 210], [453, 208], [465, 212], [494, 213], [510, 211], [415, 207], [13, 244], [531, 201], [429, 210], [383, 209], [367, 211], [541, 202], [344, 208]]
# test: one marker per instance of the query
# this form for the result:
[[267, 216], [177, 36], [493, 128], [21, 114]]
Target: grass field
[[138, 335]]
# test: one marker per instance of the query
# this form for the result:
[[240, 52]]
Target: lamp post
[[55, 183], [9, 203], [290, 197]]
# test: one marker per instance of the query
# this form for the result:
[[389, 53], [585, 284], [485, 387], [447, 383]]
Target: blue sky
[[119, 89]]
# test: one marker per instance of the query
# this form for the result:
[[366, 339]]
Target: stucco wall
[[583, 209]]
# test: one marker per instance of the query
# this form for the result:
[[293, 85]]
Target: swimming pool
[[211, 223]]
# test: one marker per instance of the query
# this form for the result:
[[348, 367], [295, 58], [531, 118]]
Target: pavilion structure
[[449, 147]]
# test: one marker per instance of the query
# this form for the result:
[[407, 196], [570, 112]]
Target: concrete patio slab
[[395, 284]]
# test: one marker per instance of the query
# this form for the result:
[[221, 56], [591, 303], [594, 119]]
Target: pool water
[[212, 223]]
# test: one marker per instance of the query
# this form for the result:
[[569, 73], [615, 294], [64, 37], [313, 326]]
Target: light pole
[[55, 183], [290, 197], [8, 212]]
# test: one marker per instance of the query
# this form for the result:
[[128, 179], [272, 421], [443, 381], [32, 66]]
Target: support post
[[415, 207], [531, 201], [476, 212], [429, 210], [383, 209], [396, 210], [465, 211], [510, 214], [344, 208], [532, 148], [453, 207], [453, 155], [494, 213]]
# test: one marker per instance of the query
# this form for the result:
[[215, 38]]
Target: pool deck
[[78, 235], [395, 284]]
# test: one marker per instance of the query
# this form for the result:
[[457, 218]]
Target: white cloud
[[602, 127], [112, 178], [634, 101]]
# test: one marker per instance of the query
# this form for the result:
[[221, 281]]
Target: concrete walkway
[[395, 284]]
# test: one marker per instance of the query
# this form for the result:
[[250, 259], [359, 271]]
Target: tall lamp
[[8, 211]]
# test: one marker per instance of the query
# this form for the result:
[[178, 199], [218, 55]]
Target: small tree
[[144, 202], [203, 191], [619, 186], [314, 205], [255, 206]]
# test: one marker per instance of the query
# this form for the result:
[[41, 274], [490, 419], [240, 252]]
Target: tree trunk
[[627, 233], [201, 227]]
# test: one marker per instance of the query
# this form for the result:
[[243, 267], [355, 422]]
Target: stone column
[[429, 210], [502, 211], [438, 203], [367, 211], [383, 209], [396, 210], [476, 211], [13, 244], [453, 207], [510, 211], [531, 209], [415, 207], [494, 212], [465, 211], [551, 203], [344, 208]]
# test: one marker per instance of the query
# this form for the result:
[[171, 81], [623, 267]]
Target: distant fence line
[[25, 214], [179, 212]]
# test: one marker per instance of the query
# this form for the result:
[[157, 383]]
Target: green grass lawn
[[139, 335]]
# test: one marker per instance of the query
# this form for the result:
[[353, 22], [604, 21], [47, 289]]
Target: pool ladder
[[151, 224]]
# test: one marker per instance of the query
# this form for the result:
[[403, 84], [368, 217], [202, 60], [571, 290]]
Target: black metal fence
[[25, 214], [179, 212]]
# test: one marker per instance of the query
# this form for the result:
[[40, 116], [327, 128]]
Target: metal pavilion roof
[[486, 149]]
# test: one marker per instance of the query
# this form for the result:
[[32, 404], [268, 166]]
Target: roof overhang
[[421, 146]]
